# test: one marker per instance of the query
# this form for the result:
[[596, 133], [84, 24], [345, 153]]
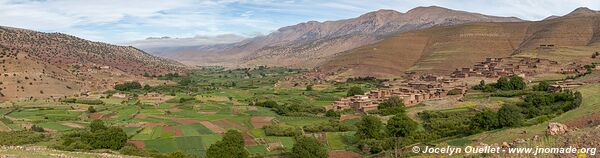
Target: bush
[[355, 90], [98, 137], [369, 127], [20, 137], [308, 147], [309, 87], [83, 101], [484, 121], [400, 126], [36, 128], [232, 145], [391, 106], [512, 93], [542, 86], [331, 126], [91, 109], [332, 113], [112, 138], [510, 116], [454, 92]]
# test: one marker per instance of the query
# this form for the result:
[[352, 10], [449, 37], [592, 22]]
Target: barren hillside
[[51, 65], [61, 49], [573, 37]]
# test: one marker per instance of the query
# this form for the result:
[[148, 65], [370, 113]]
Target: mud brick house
[[412, 92], [564, 85]]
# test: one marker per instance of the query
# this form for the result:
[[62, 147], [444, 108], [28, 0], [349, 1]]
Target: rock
[[556, 128], [505, 145]]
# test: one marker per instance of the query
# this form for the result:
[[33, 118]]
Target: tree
[[37, 128], [392, 106], [400, 126], [332, 113], [503, 83], [91, 109], [127, 86], [517, 83], [308, 147], [146, 74], [484, 121], [394, 101], [112, 138], [542, 86], [177, 154], [97, 125], [309, 87], [355, 90], [369, 127], [147, 87], [510, 116], [480, 86], [231, 146]]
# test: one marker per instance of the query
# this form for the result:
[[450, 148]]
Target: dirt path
[[72, 124]]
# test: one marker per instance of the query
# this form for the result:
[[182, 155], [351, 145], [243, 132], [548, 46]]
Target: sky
[[122, 21]]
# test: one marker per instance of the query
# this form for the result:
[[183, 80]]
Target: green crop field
[[55, 126], [337, 140], [192, 117]]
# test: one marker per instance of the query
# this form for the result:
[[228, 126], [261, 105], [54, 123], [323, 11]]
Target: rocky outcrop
[[556, 129]]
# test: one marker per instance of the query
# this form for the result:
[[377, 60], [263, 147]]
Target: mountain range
[[573, 38], [311, 43]]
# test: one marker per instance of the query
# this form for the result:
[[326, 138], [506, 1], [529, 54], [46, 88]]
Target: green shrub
[[20, 137], [331, 126], [127, 86]]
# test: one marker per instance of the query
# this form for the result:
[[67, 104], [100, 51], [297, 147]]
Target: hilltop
[[570, 38]]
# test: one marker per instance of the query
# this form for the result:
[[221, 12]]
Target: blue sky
[[119, 21]]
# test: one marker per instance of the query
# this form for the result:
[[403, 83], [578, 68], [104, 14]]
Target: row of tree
[[503, 83], [232, 146], [534, 105]]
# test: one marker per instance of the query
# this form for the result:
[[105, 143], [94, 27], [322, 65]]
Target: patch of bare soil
[[173, 129], [261, 121], [343, 154], [137, 143], [95, 116], [72, 124], [248, 140], [135, 125], [154, 124], [587, 121], [235, 125], [212, 127]]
